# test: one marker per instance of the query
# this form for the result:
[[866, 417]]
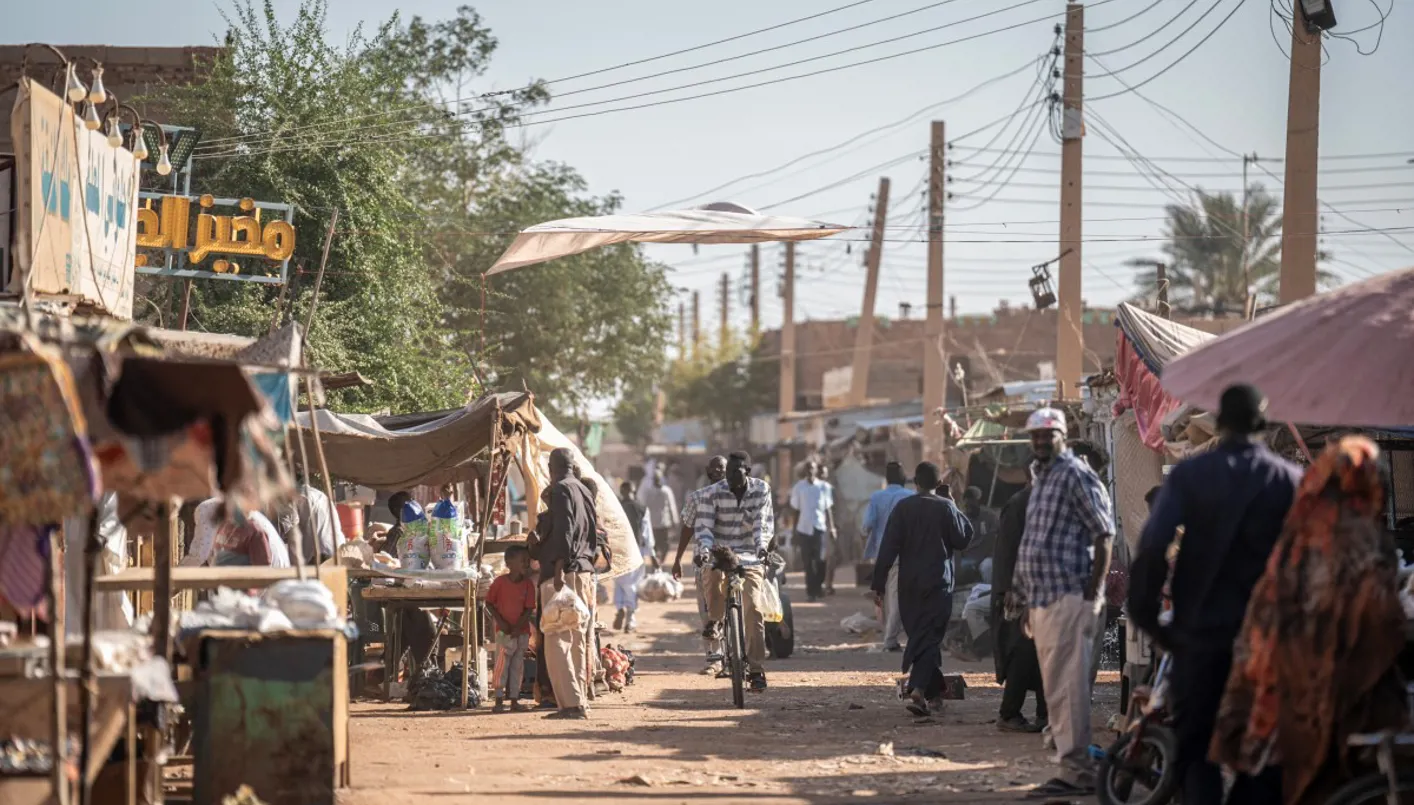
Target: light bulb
[[74, 90], [96, 92], [139, 144], [164, 165], [90, 118], [114, 138]]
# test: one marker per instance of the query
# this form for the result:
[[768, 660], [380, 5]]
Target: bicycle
[[1389, 783], [1143, 756], [724, 561]]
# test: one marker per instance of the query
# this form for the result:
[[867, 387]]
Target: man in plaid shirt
[[716, 471], [1060, 572]]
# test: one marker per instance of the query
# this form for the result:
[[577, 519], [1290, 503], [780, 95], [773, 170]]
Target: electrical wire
[[1177, 61], [1141, 40]]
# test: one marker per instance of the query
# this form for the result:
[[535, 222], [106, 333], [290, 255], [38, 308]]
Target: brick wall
[[128, 72]]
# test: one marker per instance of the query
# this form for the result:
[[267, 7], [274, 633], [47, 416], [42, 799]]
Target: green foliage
[[388, 130], [1205, 253], [725, 387]]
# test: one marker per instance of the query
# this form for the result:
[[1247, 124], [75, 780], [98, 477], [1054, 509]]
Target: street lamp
[[1319, 15]]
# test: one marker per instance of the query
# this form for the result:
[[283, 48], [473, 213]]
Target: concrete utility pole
[[1070, 338], [1247, 306], [755, 291], [864, 335], [1161, 272], [682, 331], [726, 328], [935, 366], [787, 381], [1303, 120], [696, 325]]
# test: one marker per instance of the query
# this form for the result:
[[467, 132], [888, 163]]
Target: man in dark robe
[[1018, 667], [924, 532]]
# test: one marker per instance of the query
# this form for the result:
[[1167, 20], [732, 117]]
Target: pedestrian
[[925, 531], [832, 535], [735, 514], [811, 499], [1018, 667], [511, 602], [876, 517], [1317, 654], [1231, 503], [1060, 572], [663, 511], [711, 645], [566, 550], [626, 585], [975, 563]]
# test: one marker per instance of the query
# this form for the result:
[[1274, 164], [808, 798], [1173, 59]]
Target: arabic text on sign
[[215, 234]]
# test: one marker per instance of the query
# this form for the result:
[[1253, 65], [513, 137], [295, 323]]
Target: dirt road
[[819, 734]]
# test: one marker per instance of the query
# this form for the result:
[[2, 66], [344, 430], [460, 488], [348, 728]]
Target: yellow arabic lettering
[[279, 240], [149, 233], [167, 230]]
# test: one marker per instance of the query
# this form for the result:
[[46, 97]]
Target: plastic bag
[[769, 604], [659, 587], [414, 550], [859, 623], [564, 612], [446, 539]]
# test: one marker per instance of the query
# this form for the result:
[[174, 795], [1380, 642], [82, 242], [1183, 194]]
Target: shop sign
[[253, 243], [76, 196]]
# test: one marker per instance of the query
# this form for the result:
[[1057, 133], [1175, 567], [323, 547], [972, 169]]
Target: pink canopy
[[1341, 358]]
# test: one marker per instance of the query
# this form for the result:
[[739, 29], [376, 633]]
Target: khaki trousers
[[715, 588], [1064, 633], [567, 653]]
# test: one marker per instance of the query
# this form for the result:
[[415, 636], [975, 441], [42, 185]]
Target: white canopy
[[714, 223]]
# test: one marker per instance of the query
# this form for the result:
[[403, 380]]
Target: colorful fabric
[[1068, 510], [46, 467], [24, 565], [746, 525], [1323, 629]]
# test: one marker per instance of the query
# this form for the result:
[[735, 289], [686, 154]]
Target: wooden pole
[[318, 283], [935, 366], [1303, 121], [89, 692], [154, 740], [725, 334], [1161, 271], [864, 334], [696, 324], [59, 721], [186, 305], [682, 331], [1069, 335], [755, 291], [787, 376]]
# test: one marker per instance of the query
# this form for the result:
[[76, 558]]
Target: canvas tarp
[[360, 450], [714, 223], [1146, 344]]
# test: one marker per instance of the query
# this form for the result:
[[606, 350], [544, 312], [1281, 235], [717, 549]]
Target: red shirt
[[510, 599]]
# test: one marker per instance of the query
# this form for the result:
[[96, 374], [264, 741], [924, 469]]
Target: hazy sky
[[1233, 88]]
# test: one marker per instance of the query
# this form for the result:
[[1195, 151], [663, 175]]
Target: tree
[[725, 388], [1205, 253]]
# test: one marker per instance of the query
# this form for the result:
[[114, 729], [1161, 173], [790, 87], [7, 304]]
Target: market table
[[142, 579], [463, 595]]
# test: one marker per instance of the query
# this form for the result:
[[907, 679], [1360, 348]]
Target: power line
[[1177, 61]]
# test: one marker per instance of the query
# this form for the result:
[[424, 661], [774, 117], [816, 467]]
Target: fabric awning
[[714, 223], [1340, 358], [1147, 343], [360, 450]]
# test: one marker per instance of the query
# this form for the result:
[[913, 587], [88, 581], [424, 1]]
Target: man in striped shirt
[[736, 513], [716, 471]]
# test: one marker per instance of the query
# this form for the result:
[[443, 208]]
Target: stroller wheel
[[1150, 777]]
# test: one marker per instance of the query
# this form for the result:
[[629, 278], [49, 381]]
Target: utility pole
[[1161, 272], [787, 380], [1303, 120], [682, 331], [1247, 305], [1069, 335], [755, 291], [696, 325], [726, 329], [864, 336], [935, 366]]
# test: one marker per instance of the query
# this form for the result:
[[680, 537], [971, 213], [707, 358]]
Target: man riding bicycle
[[736, 513]]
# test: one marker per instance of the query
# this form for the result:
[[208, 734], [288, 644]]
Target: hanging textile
[[46, 467], [24, 564]]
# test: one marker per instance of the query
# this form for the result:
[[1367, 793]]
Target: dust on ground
[[829, 729]]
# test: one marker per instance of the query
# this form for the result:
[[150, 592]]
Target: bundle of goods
[[618, 667], [23, 756], [414, 549], [446, 537], [659, 587], [564, 612], [434, 690]]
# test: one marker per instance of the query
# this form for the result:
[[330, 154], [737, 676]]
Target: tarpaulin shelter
[[1341, 358], [1147, 343], [720, 223]]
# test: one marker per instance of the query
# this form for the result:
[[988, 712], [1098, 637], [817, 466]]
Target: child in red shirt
[[511, 601]]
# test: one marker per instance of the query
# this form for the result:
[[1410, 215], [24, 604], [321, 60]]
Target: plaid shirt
[[1069, 508], [745, 526]]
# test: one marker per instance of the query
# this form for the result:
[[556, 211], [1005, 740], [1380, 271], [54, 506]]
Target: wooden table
[[141, 579], [396, 599]]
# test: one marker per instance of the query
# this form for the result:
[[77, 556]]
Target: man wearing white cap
[[1060, 572]]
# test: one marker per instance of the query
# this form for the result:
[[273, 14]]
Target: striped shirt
[[1069, 509], [746, 525]]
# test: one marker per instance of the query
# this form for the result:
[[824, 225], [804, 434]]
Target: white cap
[[1046, 419]]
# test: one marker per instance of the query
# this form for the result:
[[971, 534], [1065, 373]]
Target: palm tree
[[1210, 266]]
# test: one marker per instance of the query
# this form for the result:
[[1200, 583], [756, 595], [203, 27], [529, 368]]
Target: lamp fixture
[[164, 164], [90, 117], [74, 89], [96, 92]]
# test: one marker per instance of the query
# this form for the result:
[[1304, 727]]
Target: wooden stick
[[59, 774], [323, 470], [318, 283], [297, 550], [89, 691]]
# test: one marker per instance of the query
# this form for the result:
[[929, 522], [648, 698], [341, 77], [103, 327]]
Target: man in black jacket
[[1018, 667]]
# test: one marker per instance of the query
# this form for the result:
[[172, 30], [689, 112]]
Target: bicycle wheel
[[1373, 789], [1150, 778], [736, 650]]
